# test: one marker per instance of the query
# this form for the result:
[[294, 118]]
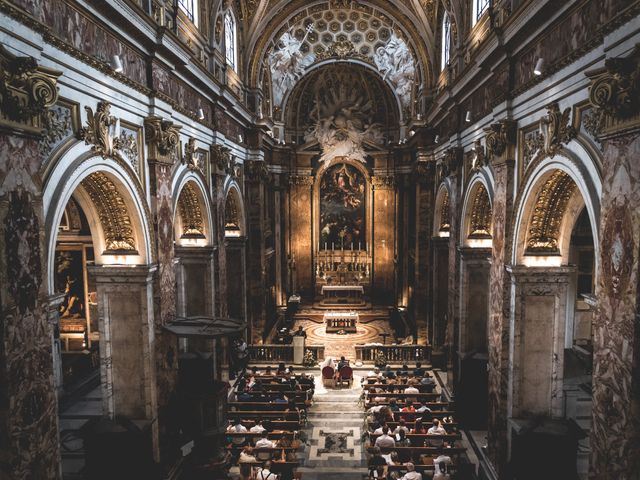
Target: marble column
[[383, 238], [127, 344], [615, 434], [300, 234], [501, 153], [162, 138], [423, 219], [257, 289], [539, 298], [29, 442]]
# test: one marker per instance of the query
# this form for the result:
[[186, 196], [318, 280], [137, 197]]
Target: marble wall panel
[[301, 235], [615, 435], [28, 404], [384, 215]]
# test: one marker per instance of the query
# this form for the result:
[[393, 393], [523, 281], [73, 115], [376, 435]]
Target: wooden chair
[[346, 375], [328, 375]]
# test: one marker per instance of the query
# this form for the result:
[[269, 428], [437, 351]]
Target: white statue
[[342, 124], [288, 64], [396, 64]]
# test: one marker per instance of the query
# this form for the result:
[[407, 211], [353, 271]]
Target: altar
[[341, 321], [342, 294]]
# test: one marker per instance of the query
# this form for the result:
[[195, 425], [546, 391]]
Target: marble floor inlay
[[339, 443]]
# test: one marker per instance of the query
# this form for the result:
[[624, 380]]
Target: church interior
[[320, 239]]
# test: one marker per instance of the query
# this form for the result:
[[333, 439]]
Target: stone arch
[[551, 197], [477, 215], [110, 195], [193, 224], [442, 213], [234, 213]]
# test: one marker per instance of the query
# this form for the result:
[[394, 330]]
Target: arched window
[[230, 44], [479, 7], [446, 40], [190, 8]]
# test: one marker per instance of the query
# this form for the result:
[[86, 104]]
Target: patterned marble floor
[[336, 344]]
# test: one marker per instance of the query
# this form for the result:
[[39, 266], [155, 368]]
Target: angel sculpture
[[288, 63]]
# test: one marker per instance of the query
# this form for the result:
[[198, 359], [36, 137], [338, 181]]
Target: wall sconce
[[116, 64], [539, 66], [437, 139], [467, 118], [412, 133], [239, 138], [419, 116], [200, 114]]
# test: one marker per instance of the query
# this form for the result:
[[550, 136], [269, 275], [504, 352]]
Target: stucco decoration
[[395, 63], [288, 64], [344, 33], [342, 122]]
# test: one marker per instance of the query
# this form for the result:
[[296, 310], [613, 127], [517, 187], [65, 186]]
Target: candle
[[352, 246], [358, 245]]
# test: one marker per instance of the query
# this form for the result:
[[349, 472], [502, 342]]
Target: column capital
[[615, 94], [163, 139], [500, 139]]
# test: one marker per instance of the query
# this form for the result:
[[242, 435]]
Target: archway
[[99, 237], [234, 234], [555, 226]]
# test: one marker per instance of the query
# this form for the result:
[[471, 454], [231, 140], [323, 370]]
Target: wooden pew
[[411, 424], [263, 406], [421, 450], [419, 396], [418, 439], [430, 405]]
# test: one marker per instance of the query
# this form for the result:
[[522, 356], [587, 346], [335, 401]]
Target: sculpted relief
[[288, 64], [342, 122], [395, 63]]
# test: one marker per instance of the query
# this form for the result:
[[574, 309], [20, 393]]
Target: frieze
[[383, 182], [163, 138], [27, 90], [301, 180], [257, 171]]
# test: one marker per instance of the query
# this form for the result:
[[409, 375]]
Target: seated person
[[268, 372], [258, 427], [265, 472], [388, 373], [377, 464], [378, 430], [375, 408], [408, 407], [246, 458], [403, 372], [441, 472], [264, 442], [281, 369], [393, 405], [237, 428], [385, 440], [427, 381], [411, 473], [437, 428], [419, 371], [418, 427], [402, 440], [281, 399], [402, 426], [420, 408], [411, 389], [342, 363], [385, 414], [441, 461]]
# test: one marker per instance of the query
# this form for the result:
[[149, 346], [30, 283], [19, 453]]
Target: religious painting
[[69, 279], [342, 208]]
